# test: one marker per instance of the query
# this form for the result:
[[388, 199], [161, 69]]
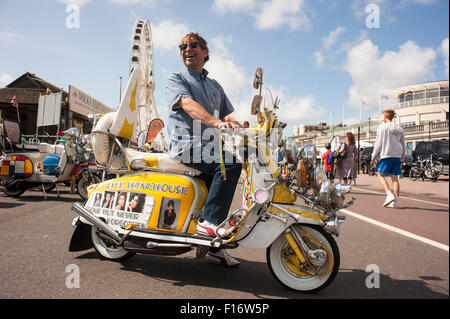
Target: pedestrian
[[327, 166], [197, 102], [347, 163], [390, 149], [278, 155]]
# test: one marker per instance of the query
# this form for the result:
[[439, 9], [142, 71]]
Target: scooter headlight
[[261, 196]]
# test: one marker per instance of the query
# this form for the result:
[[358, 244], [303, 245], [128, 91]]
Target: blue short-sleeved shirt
[[184, 133]]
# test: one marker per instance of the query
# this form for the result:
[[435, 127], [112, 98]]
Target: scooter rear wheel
[[287, 269], [108, 250], [13, 191]]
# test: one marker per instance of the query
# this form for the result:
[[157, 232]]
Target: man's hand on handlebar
[[230, 124]]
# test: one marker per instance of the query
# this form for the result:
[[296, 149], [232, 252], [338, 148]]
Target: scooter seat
[[138, 160]]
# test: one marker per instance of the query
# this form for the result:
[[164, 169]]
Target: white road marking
[[396, 230], [416, 199]]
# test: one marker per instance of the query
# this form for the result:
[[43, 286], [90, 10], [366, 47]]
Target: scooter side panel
[[164, 201]]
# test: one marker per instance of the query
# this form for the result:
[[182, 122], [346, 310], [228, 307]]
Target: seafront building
[[421, 109]]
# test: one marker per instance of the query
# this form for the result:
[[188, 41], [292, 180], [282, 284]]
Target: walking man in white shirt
[[390, 148]]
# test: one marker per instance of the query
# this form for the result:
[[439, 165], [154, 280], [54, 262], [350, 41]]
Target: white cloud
[[135, 2], [330, 40], [221, 67], [443, 50], [167, 35], [5, 79], [276, 13], [79, 3], [296, 109], [327, 43], [319, 57], [374, 73], [419, 2], [223, 6], [271, 14]]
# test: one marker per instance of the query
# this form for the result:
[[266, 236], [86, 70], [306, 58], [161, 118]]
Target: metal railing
[[431, 100]]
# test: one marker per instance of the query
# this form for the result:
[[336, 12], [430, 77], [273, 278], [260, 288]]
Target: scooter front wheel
[[286, 267], [108, 250]]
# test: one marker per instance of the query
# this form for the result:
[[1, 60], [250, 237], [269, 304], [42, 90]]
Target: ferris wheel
[[142, 55]]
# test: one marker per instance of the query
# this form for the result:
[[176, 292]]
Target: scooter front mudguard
[[275, 222], [81, 237]]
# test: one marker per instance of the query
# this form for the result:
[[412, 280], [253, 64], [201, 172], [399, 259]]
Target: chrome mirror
[[257, 79]]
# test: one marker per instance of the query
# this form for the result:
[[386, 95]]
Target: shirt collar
[[197, 74]]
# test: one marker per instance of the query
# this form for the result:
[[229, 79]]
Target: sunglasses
[[192, 45]]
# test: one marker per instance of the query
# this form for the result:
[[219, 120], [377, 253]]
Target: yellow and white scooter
[[154, 205]]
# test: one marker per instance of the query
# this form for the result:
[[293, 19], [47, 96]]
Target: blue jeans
[[221, 192]]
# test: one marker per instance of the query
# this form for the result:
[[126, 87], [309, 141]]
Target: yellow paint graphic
[[133, 98], [127, 130]]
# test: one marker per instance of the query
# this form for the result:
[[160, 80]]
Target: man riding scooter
[[196, 101]]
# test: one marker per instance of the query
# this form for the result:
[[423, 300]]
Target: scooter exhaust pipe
[[82, 211]]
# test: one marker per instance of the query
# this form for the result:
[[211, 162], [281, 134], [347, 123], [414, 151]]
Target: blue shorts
[[390, 166]]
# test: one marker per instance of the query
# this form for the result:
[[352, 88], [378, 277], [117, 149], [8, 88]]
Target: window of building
[[419, 95], [410, 145], [444, 91], [432, 93], [409, 96]]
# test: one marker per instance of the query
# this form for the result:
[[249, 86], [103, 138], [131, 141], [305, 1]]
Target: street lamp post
[[120, 90]]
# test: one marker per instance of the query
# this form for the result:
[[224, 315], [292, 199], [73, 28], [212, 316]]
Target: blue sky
[[318, 56]]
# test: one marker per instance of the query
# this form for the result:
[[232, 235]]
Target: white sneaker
[[221, 258], [389, 199], [207, 228], [394, 204]]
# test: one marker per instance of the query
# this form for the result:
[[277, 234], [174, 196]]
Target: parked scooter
[[25, 169], [85, 172], [126, 215]]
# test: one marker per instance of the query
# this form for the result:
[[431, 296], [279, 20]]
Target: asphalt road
[[35, 262]]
